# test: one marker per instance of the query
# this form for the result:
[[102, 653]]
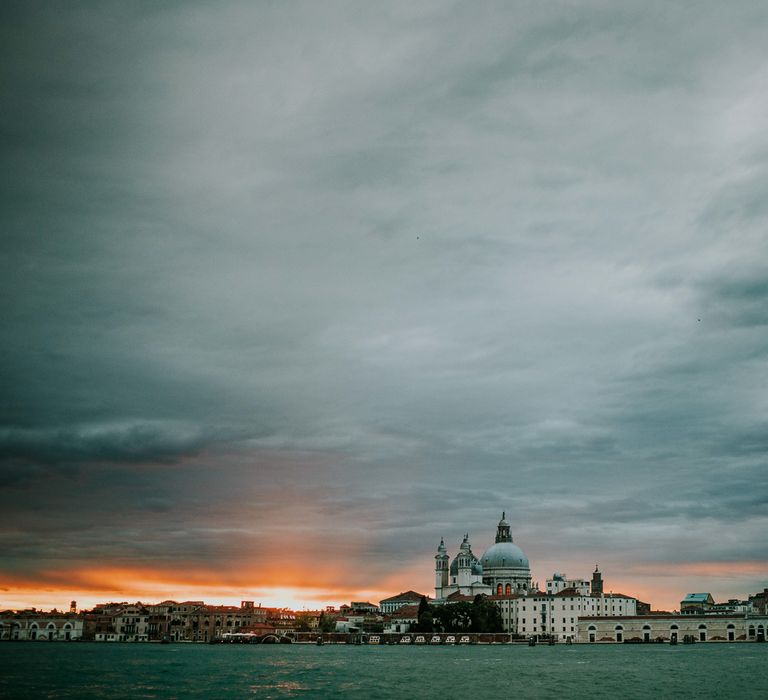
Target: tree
[[481, 615], [424, 616], [327, 623], [454, 617], [486, 616], [304, 622]]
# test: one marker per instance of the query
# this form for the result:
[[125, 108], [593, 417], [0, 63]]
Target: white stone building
[[35, 626], [390, 605], [666, 627], [130, 624], [559, 582]]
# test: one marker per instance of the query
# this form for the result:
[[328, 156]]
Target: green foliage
[[327, 623], [481, 615], [425, 621], [303, 622]]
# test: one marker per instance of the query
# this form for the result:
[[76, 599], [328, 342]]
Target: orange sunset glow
[[90, 586]]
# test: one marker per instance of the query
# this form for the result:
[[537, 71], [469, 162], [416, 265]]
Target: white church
[[502, 570], [504, 574]]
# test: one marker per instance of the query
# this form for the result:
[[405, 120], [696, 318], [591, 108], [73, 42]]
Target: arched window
[[498, 589], [509, 589], [702, 633], [731, 632], [619, 633], [591, 630]]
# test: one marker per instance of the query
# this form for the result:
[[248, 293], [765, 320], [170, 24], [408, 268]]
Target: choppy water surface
[[81, 670]]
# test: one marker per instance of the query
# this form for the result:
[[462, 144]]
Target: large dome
[[504, 555]]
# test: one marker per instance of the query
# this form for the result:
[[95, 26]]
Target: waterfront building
[[131, 624], [349, 623], [759, 602], [389, 605], [667, 627], [559, 582], [364, 607], [503, 574], [696, 603], [403, 619], [539, 614], [38, 626], [733, 605]]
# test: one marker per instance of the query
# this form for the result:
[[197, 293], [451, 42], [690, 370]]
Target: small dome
[[504, 555], [477, 567]]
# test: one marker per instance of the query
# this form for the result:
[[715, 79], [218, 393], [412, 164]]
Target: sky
[[291, 290]]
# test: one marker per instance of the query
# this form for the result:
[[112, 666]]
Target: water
[[82, 670]]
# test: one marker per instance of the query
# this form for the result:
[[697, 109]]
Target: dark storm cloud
[[412, 264], [108, 444]]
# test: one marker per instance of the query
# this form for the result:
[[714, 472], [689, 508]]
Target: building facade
[[670, 627], [390, 605], [34, 626]]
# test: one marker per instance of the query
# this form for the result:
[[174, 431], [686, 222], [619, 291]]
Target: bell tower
[[441, 569], [597, 582], [502, 533]]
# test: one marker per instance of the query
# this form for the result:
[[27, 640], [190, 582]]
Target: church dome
[[477, 568], [504, 555]]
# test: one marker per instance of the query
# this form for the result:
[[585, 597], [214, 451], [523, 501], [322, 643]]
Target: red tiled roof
[[567, 592], [407, 595], [406, 612]]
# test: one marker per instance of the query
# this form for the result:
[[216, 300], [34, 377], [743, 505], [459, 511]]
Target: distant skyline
[[291, 290]]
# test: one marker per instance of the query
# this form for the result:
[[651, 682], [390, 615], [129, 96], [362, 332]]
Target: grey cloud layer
[[457, 257]]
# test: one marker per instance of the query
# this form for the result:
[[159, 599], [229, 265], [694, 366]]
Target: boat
[[450, 639], [435, 639], [464, 639], [420, 639], [374, 639], [406, 639]]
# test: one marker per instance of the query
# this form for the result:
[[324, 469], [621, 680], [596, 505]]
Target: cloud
[[344, 280]]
